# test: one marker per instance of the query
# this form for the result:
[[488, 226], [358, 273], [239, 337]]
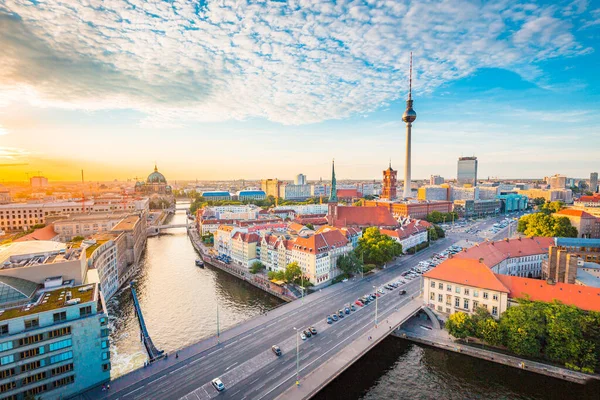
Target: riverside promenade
[[422, 332]]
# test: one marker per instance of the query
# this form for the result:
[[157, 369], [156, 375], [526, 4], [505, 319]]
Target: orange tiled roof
[[311, 220], [575, 213], [321, 242], [347, 193], [495, 252], [45, 233], [467, 272], [593, 199], [584, 297], [364, 216]]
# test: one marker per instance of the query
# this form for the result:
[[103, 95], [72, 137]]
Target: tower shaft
[[407, 192]]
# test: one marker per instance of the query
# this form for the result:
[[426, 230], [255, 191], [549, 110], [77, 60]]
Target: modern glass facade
[[467, 171]]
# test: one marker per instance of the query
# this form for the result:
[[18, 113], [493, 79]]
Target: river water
[[179, 303]]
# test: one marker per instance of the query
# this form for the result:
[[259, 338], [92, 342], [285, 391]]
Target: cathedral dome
[[156, 177]]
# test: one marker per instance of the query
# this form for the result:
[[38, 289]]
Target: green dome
[[156, 177]]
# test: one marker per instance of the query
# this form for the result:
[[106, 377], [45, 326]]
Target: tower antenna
[[410, 79]]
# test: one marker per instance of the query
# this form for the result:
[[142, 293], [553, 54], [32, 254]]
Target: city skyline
[[112, 92]]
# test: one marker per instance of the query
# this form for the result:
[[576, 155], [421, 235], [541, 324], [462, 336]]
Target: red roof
[[584, 297], [45, 233], [592, 199], [347, 193], [412, 228], [246, 237], [364, 216], [311, 220], [575, 213], [321, 242], [495, 252], [467, 272]]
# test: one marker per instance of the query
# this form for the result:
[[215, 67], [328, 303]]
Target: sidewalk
[[338, 363]]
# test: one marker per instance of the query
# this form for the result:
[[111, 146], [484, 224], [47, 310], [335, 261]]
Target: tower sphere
[[409, 114]]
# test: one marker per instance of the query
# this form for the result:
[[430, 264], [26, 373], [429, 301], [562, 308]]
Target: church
[[157, 189]]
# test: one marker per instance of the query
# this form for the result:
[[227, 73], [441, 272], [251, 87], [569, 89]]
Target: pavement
[[242, 357]]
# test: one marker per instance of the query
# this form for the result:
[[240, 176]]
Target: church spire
[[333, 194]]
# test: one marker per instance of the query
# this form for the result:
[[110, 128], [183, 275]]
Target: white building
[[320, 190], [300, 179], [488, 192], [294, 192], [464, 193], [409, 235], [305, 209]]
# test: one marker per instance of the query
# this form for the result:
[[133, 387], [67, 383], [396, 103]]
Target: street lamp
[[376, 297], [297, 356]]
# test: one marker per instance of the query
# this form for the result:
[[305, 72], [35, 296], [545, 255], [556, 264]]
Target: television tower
[[409, 117]]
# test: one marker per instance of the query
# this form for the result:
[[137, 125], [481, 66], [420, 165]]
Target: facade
[[412, 209], [567, 255], [512, 202], [306, 209], [270, 187], [86, 225], [594, 182], [436, 180], [320, 190], [587, 225], [245, 195], [243, 248], [300, 179], [477, 208], [294, 192], [155, 186], [38, 181], [102, 255], [216, 195], [4, 196], [433, 193], [589, 201], [130, 245], [464, 193], [558, 182], [409, 235], [57, 346], [275, 251], [564, 195], [360, 217], [388, 191], [467, 171]]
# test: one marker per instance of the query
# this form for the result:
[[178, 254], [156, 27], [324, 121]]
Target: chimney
[[550, 281], [481, 261]]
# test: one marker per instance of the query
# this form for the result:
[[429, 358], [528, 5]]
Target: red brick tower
[[388, 191]]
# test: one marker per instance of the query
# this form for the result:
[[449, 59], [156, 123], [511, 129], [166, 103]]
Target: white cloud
[[294, 63]]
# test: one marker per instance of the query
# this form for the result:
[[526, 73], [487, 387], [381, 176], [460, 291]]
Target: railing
[[153, 353]]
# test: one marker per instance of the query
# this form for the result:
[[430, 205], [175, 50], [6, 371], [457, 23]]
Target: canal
[[178, 299]]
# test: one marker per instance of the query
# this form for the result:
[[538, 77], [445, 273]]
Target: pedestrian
[[369, 337], [103, 387], [176, 355], [108, 386]]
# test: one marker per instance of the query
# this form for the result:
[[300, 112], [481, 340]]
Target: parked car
[[218, 384], [402, 292], [347, 310], [276, 350], [341, 313], [302, 336], [352, 307], [334, 317], [329, 320], [312, 330], [307, 333], [359, 303]]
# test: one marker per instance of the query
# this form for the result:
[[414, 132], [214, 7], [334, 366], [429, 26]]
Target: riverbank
[[256, 280], [418, 331]]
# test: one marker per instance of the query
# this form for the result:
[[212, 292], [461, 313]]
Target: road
[[245, 362]]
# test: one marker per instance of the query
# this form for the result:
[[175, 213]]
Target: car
[[402, 292], [377, 295], [307, 333], [334, 317], [347, 310], [302, 336], [341, 313], [329, 320], [312, 330], [218, 384], [276, 350], [352, 307], [359, 303]]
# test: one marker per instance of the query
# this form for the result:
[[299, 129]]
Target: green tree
[[377, 248], [440, 232], [432, 233], [276, 275], [524, 328], [552, 207], [546, 225], [563, 227], [538, 201], [77, 238], [310, 226], [349, 264], [256, 267], [292, 272], [489, 330], [460, 325]]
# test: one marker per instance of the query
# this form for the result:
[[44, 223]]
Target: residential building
[[463, 285], [488, 192], [246, 195], [216, 195], [467, 171], [243, 248], [288, 191], [300, 179], [4, 196], [390, 184], [101, 252], [87, 224], [587, 225], [319, 209], [588, 201], [275, 251], [433, 193], [369, 189], [477, 208], [594, 182], [519, 257], [409, 235], [464, 193], [360, 217], [320, 190], [133, 231], [512, 202], [564, 195], [270, 187], [436, 180], [45, 233], [38, 181], [558, 182], [56, 346], [412, 209]]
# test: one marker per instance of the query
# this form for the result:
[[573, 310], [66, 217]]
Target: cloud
[[295, 63]]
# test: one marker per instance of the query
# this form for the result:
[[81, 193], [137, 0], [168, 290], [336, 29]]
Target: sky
[[269, 89]]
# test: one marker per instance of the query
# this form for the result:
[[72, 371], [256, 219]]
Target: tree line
[[545, 224]]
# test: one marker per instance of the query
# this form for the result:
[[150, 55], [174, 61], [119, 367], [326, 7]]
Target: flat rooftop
[[12, 252], [126, 224], [47, 300]]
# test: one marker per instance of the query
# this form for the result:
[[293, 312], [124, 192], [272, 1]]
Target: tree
[[440, 232], [563, 227], [256, 267], [377, 248], [77, 238], [460, 325], [432, 233], [524, 328], [292, 272], [546, 225], [310, 226], [276, 275], [538, 201], [349, 264], [489, 330], [552, 207]]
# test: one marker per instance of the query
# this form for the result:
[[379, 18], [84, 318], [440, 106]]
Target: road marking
[[230, 344], [133, 391], [235, 393], [254, 381], [195, 361], [234, 364]]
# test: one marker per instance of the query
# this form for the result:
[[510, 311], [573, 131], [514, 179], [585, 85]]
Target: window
[[62, 369], [431, 296], [441, 286], [494, 310], [104, 332], [440, 298], [466, 292], [457, 302], [106, 355], [475, 293], [60, 316], [439, 308], [85, 311], [105, 367], [33, 365], [475, 305], [36, 390], [61, 357], [60, 345], [485, 295], [103, 321], [449, 288], [466, 303], [32, 323], [457, 289], [448, 299], [64, 381], [447, 310], [8, 386], [6, 373], [32, 352], [33, 378], [433, 284], [59, 332], [104, 344], [495, 297], [31, 339], [7, 359], [3, 330], [6, 346]]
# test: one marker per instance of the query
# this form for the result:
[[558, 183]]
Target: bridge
[[242, 357], [171, 226], [153, 353]]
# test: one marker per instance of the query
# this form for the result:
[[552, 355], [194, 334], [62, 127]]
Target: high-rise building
[[38, 181], [409, 117], [270, 187], [389, 184], [300, 179], [467, 171], [558, 182], [594, 182], [436, 180]]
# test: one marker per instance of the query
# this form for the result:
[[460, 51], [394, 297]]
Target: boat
[[199, 263]]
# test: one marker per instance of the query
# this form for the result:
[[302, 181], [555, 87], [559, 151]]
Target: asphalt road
[[246, 364]]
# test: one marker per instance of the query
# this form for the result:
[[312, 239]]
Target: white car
[[302, 336], [218, 384]]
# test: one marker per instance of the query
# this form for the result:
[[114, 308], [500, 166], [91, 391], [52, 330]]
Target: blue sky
[[270, 89]]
